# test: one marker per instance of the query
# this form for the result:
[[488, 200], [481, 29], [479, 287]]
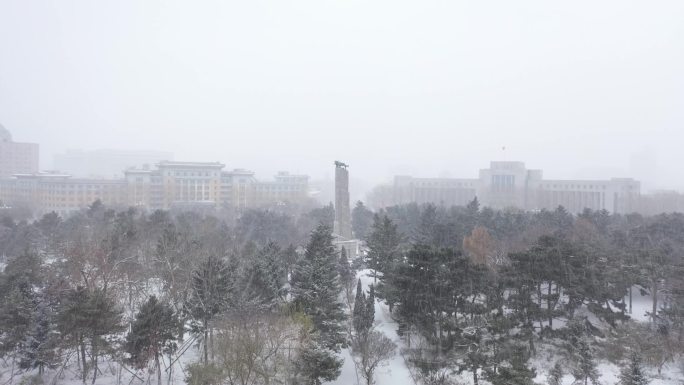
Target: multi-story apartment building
[[511, 184], [60, 193], [285, 187], [448, 191], [177, 184], [238, 189], [16, 158]]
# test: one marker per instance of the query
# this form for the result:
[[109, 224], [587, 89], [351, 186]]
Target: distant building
[[106, 164], [171, 185], [188, 184], [447, 191], [511, 184], [175, 184], [60, 193], [238, 190], [15, 157], [661, 201], [285, 187]]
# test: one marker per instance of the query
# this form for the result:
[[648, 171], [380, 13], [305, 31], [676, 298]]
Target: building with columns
[[42, 192], [511, 184], [171, 185]]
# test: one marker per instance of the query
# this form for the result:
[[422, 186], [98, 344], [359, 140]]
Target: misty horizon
[[389, 87], [341, 192]]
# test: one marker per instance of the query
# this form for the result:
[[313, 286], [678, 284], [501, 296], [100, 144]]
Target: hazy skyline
[[430, 88]]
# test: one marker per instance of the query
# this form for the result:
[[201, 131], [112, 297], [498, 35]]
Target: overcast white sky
[[430, 88]]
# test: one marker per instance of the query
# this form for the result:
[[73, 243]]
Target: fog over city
[[581, 89], [341, 192]]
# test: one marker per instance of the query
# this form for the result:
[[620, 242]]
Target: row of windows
[[503, 183], [443, 184], [278, 188], [186, 173], [574, 186]]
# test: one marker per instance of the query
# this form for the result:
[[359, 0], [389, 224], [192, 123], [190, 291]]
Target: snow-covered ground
[[396, 372]]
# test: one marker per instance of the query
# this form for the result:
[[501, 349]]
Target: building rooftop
[[238, 171], [42, 175], [169, 164]]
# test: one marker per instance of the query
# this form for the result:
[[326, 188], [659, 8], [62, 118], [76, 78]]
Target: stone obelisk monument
[[343, 226]]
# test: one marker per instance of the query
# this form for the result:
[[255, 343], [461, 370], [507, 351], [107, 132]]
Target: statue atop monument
[[339, 164]]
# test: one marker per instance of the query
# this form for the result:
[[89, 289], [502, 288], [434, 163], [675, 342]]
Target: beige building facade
[[171, 185], [60, 193]]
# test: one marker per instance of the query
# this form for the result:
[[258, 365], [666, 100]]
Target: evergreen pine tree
[[370, 308], [316, 364], [18, 300], [210, 295], [364, 312], [383, 245], [15, 318], [362, 218], [39, 347], [517, 373], [104, 319], [73, 323], [265, 277], [153, 333], [585, 368], [555, 376], [633, 373], [89, 316], [344, 269], [316, 289], [384, 256], [359, 312]]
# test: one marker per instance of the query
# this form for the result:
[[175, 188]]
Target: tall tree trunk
[[170, 368], [11, 381], [83, 358], [206, 345], [94, 353], [654, 294], [630, 299], [550, 309], [531, 340], [439, 326], [211, 340], [156, 361]]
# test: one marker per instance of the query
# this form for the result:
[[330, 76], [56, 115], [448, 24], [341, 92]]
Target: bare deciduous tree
[[254, 347], [372, 351]]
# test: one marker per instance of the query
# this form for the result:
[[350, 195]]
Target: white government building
[[511, 184]]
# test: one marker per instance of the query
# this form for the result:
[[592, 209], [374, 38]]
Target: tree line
[[267, 298], [256, 299], [479, 291]]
